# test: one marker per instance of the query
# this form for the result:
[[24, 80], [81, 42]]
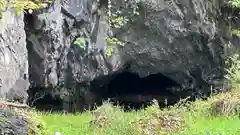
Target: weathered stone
[[13, 57], [56, 62], [15, 119], [184, 40], [12, 124], [180, 43]]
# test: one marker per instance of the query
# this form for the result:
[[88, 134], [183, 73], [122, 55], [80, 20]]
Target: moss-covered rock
[[20, 122]]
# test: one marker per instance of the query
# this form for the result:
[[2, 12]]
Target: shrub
[[226, 105], [234, 3], [233, 71], [109, 119]]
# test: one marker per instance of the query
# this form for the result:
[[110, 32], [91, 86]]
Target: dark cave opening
[[42, 99], [126, 89], [133, 92]]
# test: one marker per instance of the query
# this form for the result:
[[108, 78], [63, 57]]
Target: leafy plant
[[118, 18], [81, 42], [112, 43], [233, 70], [3, 5], [234, 3], [226, 106], [21, 5], [119, 22], [235, 32]]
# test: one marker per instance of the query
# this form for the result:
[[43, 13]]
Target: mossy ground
[[219, 115]]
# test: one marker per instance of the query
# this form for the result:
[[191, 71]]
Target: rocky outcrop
[[56, 62], [12, 124], [180, 39], [18, 121], [184, 42], [187, 41], [13, 57]]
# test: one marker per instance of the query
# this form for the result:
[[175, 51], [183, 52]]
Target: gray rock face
[[13, 57], [185, 40], [51, 49], [56, 62]]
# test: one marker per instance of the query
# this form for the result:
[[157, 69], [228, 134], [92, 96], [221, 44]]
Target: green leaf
[[81, 42], [235, 3]]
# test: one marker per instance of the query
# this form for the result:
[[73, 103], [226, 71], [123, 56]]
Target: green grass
[[216, 126], [211, 125], [197, 117], [79, 124], [67, 124]]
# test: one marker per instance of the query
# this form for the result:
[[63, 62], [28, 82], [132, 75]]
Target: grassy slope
[[197, 118]]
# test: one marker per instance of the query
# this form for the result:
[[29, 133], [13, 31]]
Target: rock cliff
[[13, 57], [173, 48]]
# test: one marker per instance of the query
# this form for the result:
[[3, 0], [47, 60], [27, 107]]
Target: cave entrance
[[125, 89], [133, 92], [44, 100]]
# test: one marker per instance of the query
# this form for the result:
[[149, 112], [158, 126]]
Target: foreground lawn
[[80, 124], [67, 124], [193, 119], [212, 126]]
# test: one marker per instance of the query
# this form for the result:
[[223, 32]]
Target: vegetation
[[3, 4], [81, 42], [215, 116], [235, 32], [10, 115], [233, 70], [112, 44], [234, 3], [21, 5], [118, 18], [219, 115]]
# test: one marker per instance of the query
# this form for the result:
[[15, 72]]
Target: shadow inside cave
[[133, 92], [125, 89], [44, 100]]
